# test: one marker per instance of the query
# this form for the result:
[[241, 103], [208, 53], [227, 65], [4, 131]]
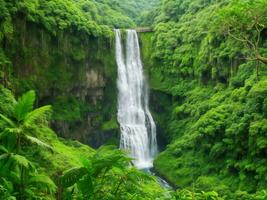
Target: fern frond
[[29, 193], [107, 157], [3, 134], [7, 184], [3, 149], [10, 137], [4, 156], [39, 114], [24, 105], [21, 160], [86, 163], [72, 176], [86, 187], [37, 142], [7, 120], [14, 177], [43, 182]]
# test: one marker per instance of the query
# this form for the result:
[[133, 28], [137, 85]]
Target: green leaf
[[86, 187], [72, 176], [37, 142], [39, 114], [4, 156], [24, 105], [21, 160], [7, 120], [42, 181], [3, 149]]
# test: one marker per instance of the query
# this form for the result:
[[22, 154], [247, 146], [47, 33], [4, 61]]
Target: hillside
[[206, 65]]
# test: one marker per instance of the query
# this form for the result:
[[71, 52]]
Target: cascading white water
[[138, 130]]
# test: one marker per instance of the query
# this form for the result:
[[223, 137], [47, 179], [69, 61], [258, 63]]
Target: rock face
[[74, 73]]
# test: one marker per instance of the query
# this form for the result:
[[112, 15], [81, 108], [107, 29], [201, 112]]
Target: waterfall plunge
[[138, 130]]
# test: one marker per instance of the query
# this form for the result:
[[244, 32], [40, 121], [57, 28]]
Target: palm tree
[[17, 173], [24, 122]]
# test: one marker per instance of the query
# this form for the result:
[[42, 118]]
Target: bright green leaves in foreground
[[105, 176], [24, 122], [26, 162], [19, 126]]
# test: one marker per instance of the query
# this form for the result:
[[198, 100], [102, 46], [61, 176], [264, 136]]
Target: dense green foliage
[[209, 58], [86, 16], [207, 66], [106, 176], [82, 16], [135, 9], [192, 38], [20, 124], [26, 162]]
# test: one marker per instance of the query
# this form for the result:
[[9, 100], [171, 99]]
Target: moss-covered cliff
[[74, 72], [64, 50]]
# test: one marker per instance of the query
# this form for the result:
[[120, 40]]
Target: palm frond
[[10, 138], [7, 120], [29, 193], [3, 149], [107, 158], [7, 184], [14, 176], [5, 163], [4, 156], [86, 187], [72, 176], [86, 163], [24, 105], [38, 142], [39, 114], [3, 134], [42, 181]]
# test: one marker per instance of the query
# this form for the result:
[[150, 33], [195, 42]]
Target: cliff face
[[161, 102], [73, 72]]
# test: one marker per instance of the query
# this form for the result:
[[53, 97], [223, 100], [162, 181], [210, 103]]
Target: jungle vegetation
[[210, 58], [207, 67]]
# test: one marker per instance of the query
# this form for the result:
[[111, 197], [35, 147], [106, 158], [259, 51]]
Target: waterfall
[[138, 129]]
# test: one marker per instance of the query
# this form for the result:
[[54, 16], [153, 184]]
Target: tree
[[16, 171], [24, 122], [244, 21]]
